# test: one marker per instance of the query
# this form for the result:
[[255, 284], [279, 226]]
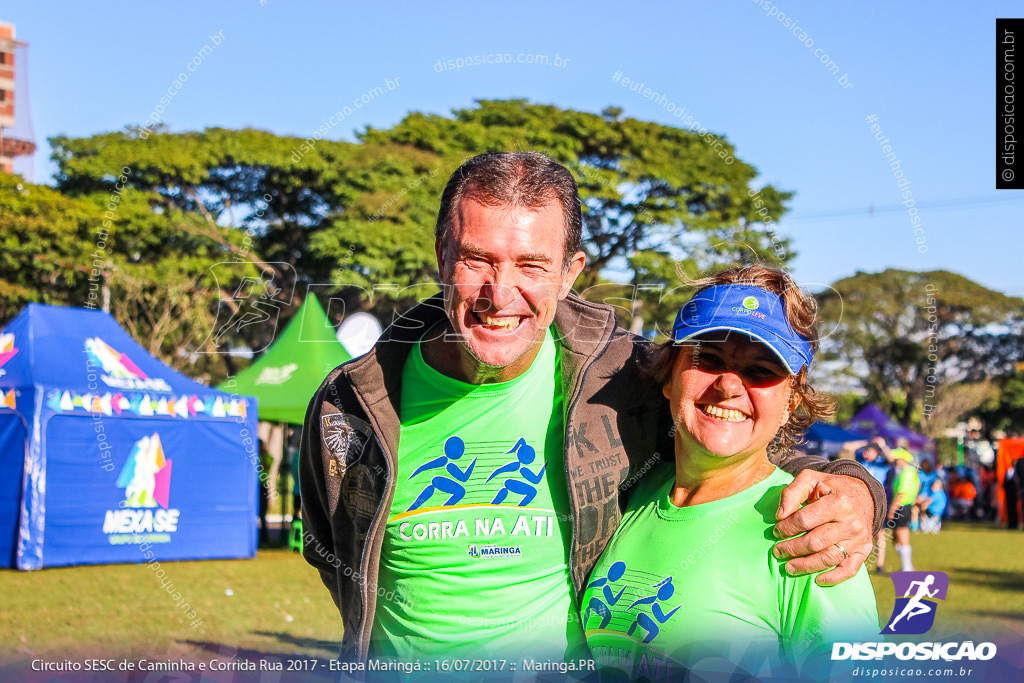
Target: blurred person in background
[[293, 448], [1018, 468], [875, 459], [926, 474], [935, 506], [905, 488], [964, 493], [986, 504], [1011, 491], [263, 477]]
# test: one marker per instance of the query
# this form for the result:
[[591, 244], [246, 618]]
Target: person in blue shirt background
[[875, 458], [935, 506], [926, 474]]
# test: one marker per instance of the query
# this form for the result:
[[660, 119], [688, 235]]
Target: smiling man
[[466, 473], [505, 269]]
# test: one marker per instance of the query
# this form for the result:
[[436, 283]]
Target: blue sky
[[925, 69]]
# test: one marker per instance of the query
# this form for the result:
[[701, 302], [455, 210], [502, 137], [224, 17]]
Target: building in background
[[16, 139]]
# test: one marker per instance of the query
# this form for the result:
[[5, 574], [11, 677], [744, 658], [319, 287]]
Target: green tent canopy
[[287, 375]]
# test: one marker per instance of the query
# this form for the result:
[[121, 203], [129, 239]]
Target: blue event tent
[[827, 440], [108, 455]]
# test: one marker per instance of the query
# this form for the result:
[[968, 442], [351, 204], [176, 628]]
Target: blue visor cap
[[751, 310]]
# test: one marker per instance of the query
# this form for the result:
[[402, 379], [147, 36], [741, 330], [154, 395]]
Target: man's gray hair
[[515, 179]]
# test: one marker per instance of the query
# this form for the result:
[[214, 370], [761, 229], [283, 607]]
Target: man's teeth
[[727, 414], [506, 321]]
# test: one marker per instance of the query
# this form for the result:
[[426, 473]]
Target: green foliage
[[847, 405], [347, 218], [947, 450], [381, 245], [110, 246], [1007, 413], [654, 196], [904, 334], [47, 243], [642, 184], [957, 400], [211, 228]]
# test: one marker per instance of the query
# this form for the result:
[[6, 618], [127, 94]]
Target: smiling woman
[[735, 375]]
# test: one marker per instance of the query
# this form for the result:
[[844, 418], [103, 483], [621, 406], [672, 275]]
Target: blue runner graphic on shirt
[[503, 472], [454, 448], [644, 621], [525, 455], [602, 608], [646, 592]]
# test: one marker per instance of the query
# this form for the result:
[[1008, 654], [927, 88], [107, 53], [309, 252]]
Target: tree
[[645, 187], [1007, 413], [956, 400], [111, 250], [905, 334], [266, 200], [269, 219], [47, 243]]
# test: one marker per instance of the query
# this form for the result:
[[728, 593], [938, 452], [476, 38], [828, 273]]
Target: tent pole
[[282, 481]]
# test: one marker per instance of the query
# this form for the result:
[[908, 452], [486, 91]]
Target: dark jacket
[[617, 427]]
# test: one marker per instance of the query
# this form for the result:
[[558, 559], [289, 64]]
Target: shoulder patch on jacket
[[344, 436]]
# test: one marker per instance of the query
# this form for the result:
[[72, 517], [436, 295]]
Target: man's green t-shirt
[[698, 588], [476, 543]]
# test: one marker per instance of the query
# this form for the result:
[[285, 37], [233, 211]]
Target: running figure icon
[[525, 454], [915, 606], [454, 448], [643, 620], [602, 607]]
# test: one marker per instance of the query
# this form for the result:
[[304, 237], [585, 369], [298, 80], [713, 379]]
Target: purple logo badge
[[917, 594]]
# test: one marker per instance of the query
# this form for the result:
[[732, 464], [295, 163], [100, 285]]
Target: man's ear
[[666, 389], [579, 259], [440, 255]]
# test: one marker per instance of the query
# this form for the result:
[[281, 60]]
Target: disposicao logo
[[118, 369], [146, 479], [913, 614], [916, 596]]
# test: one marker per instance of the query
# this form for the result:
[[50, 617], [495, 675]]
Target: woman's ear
[[794, 401]]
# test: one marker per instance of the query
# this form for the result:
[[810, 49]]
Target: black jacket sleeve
[[317, 535]]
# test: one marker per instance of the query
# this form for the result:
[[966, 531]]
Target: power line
[[928, 207]]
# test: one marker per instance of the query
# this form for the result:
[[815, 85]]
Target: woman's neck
[[696, 484]]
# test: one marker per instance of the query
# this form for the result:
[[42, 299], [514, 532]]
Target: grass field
[[985, 564], [279, 608]]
